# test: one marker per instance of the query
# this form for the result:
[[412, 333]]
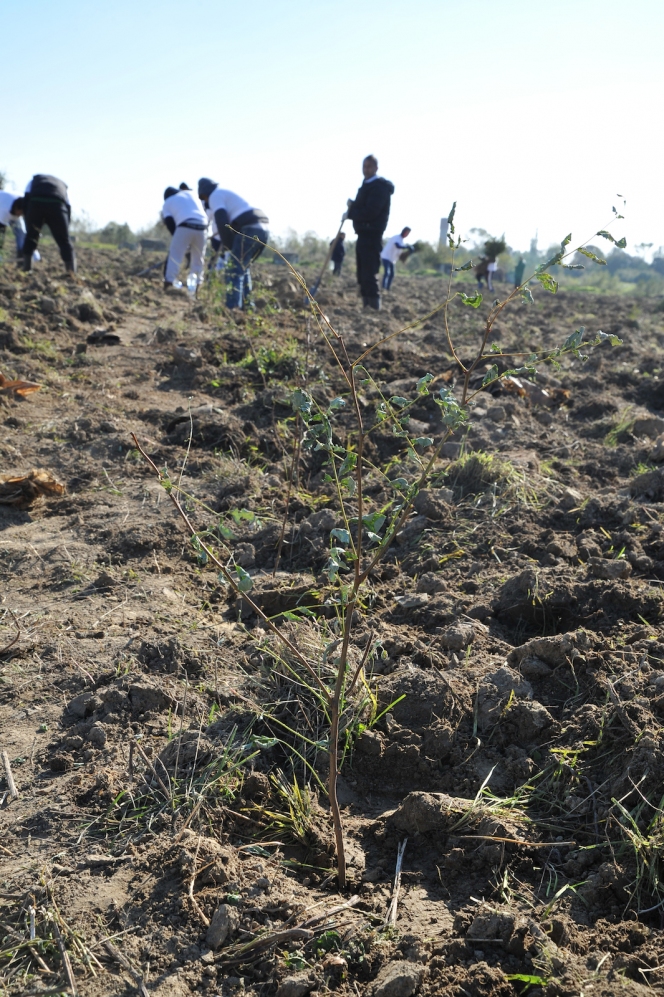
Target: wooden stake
[[64, 955], [13, 791], [124, 962], [391, 916]]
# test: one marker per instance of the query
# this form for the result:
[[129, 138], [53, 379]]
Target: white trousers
[[185, 240]]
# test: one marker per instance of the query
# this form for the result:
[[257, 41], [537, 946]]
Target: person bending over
[[185, 219], [243, 232], [391, 252], [47, 203], [369, 213], [11, 216]]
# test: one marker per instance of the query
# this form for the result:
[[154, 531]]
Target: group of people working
[[238, 229]]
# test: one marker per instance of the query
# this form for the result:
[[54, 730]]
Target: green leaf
[[474, 300], [423, 384], [373, 537], [242, 515], [203, 558], [337, 403], [547, 281], [466, 266], [301, 401], [343, 536], [374, 521], [398, 401], [520, 370], [243, 579], [573, 266], [226, 532], [566, 241], [574, 341], [327, 941], [620, 243], [603, 336], [527, 296], [491, 375], [399, 484], [450, 218], [591, 256], [534, 981], [423, 441], [347, 465], [221, 578], [297, 614]]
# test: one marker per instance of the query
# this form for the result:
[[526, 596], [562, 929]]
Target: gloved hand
[[349, 202], [344, 217]]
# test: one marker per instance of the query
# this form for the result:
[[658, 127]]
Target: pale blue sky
[[532, 116]]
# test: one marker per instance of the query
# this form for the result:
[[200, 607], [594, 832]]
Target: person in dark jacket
[[369, 213], [338, 254], [519, 270], [242, 230], [47, 203]]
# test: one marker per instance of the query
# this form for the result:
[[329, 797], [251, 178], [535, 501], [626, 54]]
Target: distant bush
[[115, 234]]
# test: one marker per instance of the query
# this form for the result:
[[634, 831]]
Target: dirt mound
[[171, 756]]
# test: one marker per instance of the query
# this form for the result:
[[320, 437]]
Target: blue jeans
[[388, 276], [244, 251]]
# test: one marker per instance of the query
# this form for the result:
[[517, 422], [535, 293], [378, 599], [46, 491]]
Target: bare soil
[[521, 674]]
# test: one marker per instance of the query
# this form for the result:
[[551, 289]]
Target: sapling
[[340, 430]]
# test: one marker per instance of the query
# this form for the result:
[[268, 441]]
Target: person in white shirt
[[243, 231], [491, 268], [11, 216], [390, 253], [219, 258], [186, 220]]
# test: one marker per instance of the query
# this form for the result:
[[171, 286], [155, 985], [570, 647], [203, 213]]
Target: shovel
[[313, 290]]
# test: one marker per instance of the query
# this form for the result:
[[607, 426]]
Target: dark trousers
[[55, 214], [337, 267], [248, 245], [367, 252]]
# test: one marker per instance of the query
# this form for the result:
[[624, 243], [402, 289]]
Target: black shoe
[[373, 302]]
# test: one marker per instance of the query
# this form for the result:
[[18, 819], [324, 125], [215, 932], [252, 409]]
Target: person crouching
[[185, 219], [46, 202], [11, 216], [242, 230]]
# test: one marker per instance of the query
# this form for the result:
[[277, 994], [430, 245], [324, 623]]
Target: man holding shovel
[[369, 213]]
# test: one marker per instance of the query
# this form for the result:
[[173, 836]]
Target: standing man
[[519, 271], [47, 203], [391, 252], [185, 219], [369, 213], [338, 254], [11, 213], [242, 230]]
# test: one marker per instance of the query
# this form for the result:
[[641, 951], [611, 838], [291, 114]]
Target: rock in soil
[[397, 979]]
